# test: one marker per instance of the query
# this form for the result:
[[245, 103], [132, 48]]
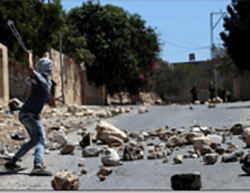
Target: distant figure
[[194, 91], [211, 90]]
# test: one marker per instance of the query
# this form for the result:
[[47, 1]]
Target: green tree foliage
[[121, 46], [236, 38], [38, 23]]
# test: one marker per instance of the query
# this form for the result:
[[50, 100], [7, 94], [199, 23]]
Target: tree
[[110, 37], [236, 38], [38, 23]]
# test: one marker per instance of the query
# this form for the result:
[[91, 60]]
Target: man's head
[[44, 66]]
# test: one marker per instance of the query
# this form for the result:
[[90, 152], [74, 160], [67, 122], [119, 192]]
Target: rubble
[[178, 159], [217, 100], [65, 180], [102, 178], [110, 157], [105, 130], [86, 140], [246, 136], [68, 149], [91, 151], [229, 158], [84, 171], [15, 104], [114, 141], [142, 110], [246, 164], [59, 137], [237, 129], [211, 105], [104, 171], [158, 132], [81, 164], [210, 158], [133, 151], [189, 181]]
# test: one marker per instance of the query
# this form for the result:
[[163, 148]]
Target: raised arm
[[30, 64]]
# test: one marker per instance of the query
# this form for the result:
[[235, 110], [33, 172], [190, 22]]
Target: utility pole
[[61, 67], [212, 46]]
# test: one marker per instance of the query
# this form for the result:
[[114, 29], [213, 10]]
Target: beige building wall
[[71, 76], [4, 75]]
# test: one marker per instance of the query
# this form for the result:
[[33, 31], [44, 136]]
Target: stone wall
[[71, 76], [76, 89], [4, 75]]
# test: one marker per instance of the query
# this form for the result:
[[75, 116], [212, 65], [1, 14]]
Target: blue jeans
[[35, 129]]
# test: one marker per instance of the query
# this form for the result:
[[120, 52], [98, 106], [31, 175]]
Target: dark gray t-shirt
[[39, 95]]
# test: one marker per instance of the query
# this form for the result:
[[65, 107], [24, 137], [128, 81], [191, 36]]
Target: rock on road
[[146, 174]]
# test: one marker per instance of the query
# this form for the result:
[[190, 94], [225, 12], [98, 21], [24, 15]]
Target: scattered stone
[[59, 137], [220, 150], [110, 157], [15, 104], [101, 177], [158, 132], [175, 141], [114, 141], [246, 164], [237, 129], [91, 151], [84, 171], [211, 105], [165, 161], [178, 159], [202, 145], [229, 158], [210, 158], [17, 136], [104, 130], [217, 100], [68, 149], [104, 171], [246, 136], [133, 151], [65, 180], [189, 181], [81, 164], [142, 110], [231, 147], [86, 140]]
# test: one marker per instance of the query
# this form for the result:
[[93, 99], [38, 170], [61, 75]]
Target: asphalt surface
[[146, 174]]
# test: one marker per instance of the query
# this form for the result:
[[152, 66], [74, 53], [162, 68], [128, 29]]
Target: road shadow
[[14, 172], [244, 175], [238, 107]]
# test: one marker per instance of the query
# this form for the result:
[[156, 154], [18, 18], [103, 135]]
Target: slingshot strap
[[16, 34]]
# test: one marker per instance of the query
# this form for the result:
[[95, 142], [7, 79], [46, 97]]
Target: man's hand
[[30, 63]]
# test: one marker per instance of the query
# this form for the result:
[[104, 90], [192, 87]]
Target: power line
[[185, 47]]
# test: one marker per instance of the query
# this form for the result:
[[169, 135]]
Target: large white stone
[[105, 129], [110, 157]]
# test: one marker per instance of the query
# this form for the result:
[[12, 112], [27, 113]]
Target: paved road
[[148, 174]]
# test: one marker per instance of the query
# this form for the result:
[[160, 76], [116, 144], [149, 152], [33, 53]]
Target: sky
[[183, 25]]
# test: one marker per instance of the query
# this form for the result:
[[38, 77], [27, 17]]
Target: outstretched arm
[[30, 64]]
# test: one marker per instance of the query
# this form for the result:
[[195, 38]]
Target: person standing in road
[[212, 90], [194, 91], [30, 112]]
